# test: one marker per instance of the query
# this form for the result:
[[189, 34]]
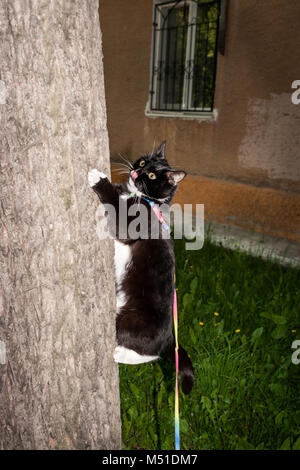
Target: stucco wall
[[253, 142]]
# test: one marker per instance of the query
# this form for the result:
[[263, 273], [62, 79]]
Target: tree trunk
[[59, 384]]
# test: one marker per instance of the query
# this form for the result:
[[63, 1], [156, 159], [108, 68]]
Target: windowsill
[[199, 116]]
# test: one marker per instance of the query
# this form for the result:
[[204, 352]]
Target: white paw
[[128, 356], [95, 176]]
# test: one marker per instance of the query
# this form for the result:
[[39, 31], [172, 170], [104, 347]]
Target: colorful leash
[[157, 213], [175, 319], [155, 210]]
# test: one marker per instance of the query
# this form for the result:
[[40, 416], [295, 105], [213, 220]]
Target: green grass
[[247, 393]]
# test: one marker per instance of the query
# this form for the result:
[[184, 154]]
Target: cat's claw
[[95, 176]]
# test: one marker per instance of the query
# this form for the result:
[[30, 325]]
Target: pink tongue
[[134, 175]]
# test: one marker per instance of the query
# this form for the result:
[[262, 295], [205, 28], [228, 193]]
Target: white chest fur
[[122, 260]]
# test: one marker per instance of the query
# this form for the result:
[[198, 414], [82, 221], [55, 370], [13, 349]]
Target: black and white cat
[[144, 267]]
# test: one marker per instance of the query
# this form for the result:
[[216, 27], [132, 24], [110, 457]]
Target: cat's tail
[[185, 367]]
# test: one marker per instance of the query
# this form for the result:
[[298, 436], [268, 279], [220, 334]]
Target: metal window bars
[[184, 56]]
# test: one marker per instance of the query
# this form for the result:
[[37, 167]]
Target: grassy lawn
[[238, 317]]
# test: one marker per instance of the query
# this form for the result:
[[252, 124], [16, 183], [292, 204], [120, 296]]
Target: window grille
[[184, 56]]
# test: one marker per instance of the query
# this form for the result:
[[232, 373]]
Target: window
[[184, 56]]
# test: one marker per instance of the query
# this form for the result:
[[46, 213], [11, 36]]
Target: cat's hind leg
[[129, 356]]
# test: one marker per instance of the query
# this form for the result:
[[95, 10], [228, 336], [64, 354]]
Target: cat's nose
[[133, 175]]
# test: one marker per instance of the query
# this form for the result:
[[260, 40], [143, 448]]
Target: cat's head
[[152, 176]]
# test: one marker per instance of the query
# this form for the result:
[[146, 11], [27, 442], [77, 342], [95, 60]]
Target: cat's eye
[[142, 163], [152, 176]]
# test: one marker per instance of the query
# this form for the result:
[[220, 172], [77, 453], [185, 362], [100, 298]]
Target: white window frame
[[187, 90]]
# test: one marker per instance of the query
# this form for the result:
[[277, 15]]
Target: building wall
[[244, 165]]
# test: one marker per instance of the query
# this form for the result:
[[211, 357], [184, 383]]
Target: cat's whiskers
[[120, 169], [121, 172], [126, 161], [121, 164]]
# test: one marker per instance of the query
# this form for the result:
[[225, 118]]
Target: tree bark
[[59, 384]]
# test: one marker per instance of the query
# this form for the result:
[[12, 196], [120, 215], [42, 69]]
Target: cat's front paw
[[95, 176]]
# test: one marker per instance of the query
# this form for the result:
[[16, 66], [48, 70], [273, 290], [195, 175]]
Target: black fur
[[145, 322]]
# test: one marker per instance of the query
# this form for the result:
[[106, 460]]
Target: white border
[[197, 115]]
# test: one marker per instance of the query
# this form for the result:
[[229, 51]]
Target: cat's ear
[[174, 177], [160, 152]]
